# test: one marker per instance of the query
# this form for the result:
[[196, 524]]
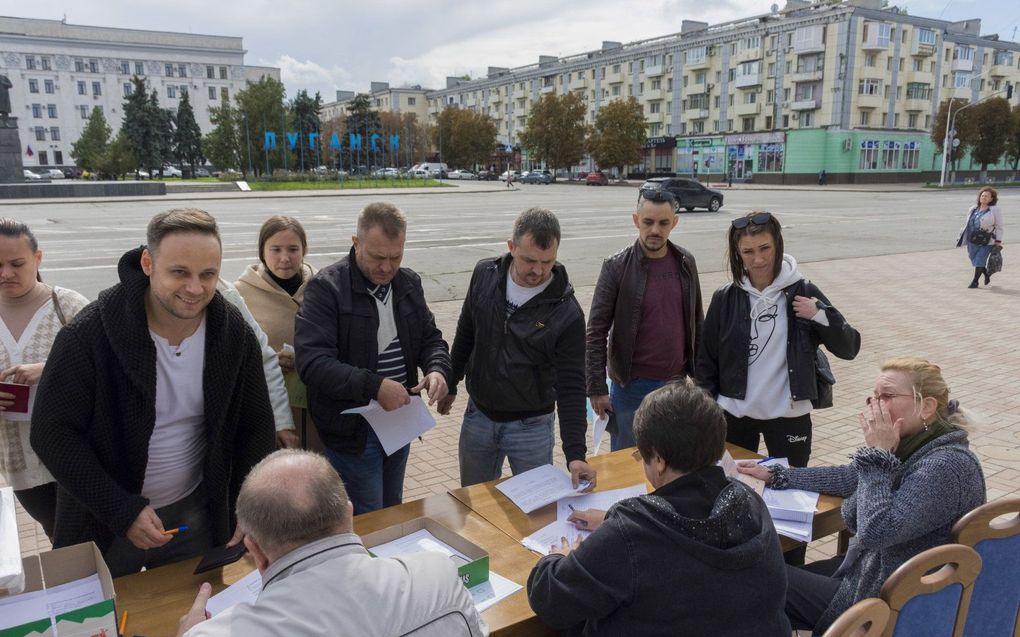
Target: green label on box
[[32, 629]]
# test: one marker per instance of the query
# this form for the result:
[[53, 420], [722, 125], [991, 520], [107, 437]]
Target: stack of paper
[[398, 428], [792, 510], [552, 535], [538, 487]]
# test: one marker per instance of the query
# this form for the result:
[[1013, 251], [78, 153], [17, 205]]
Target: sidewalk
[[904, 305]]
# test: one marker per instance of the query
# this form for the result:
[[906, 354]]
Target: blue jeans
[[373, 479], [625, 400], [485, 443]]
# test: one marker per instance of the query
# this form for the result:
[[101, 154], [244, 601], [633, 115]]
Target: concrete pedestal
[[11, 168]]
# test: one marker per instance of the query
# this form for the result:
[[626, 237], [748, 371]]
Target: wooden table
[[156, 599], [615, 471]]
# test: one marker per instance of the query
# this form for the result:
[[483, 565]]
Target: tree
[[223, 145], [361, 117], [88, 150], [165, 125], [119, 157], [554, 133], [993, 126], [464, 137], [962, 122], [187, 135], [262, 106], [141, 127], [618, 134], [1013, 143], [305, 112], [414, 136]]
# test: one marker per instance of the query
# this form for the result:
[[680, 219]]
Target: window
[[961, 80], [772, 69], [223, 74], [37, 110], [869, 60], [918, 65], [768, 122], [51, 111], [48, 84], [869, 87], [182, 70], [753, 42], [33, 86], [654, 129], [212, 92], [93, 66], [55, 133], [616, 90], [411, 101], [79, 65], [58, 157], [770, 98], [616, 68], [30, 63], [171, 91], [869, 155], [125, 67], [810, 63], [786, 121], [40, 136], [750, 97], [806, 119], [84, 110], [926, 36], [770, 156], [97, 88], [891, 155], [729, 124], [45, 64], [168, 70], [864, 118], [641, 88], [747, 123], [128, 89], [210, 72], [698, 126], [139, 68], [918, 91], [696, 55], [655, 107], [963, 53], [43, 158], [656, 84], [911, 157], [911, 120]]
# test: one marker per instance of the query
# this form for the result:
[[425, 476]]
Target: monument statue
[[5, 99]]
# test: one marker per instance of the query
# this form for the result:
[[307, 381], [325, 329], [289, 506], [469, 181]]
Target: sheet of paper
[[800, 531], [12, 576], [538, 487], [729, 467], [29, 607], [493, 591], [552, 535], [245, 589], [599, 500], [598, 431], [418, 542], [399, 427], [792, 505]]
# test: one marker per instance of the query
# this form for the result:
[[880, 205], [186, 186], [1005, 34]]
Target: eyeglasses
[[885, 397], [637, 456], [758, 219]]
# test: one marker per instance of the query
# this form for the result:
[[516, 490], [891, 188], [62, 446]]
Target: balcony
[[653, 71], [871, 101], [1000, 70], [814, 46], [875, 44], [703, 62], [696, 113], [806, 104], [746, 55], [962, 65], [577, 82], [741, 110], [548, 89], [923, 50], [917, 104], [612, 78], [751, 79], [807, 76]]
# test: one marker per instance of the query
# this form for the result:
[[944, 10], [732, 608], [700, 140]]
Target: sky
[[328, 46]]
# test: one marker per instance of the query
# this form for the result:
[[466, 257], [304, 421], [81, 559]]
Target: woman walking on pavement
[[983, 233]]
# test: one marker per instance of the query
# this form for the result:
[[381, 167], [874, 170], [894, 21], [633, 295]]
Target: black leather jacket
[[337, 351], [616, 305], [726, 338], [526, 364]]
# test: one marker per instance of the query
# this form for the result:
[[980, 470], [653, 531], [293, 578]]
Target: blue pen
[[571, 507], [765, 459]]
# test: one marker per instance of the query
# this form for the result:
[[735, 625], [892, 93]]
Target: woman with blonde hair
[[273, 290], [904, 490], [31, 314]]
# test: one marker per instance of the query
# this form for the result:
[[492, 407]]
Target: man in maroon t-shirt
[[645, 318]]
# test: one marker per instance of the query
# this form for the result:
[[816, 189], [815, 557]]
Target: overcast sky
[[324, 46]]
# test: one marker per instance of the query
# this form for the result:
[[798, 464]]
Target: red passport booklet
[[20, 392]]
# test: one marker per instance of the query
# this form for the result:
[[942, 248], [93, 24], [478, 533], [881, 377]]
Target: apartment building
[[405, 99], [845, 87], [61, 71]]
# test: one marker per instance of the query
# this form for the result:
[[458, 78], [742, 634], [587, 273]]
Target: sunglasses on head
[[758, 219]]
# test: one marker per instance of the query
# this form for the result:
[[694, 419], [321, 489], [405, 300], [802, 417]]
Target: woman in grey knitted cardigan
[[904, 490]]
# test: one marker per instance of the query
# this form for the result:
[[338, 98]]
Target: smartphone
[[20, 392], [221, 556]]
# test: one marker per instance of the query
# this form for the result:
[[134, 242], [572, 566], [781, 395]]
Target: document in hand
[[551, 535], [729, 467], [399, 427], [598, 430], [538, 487]]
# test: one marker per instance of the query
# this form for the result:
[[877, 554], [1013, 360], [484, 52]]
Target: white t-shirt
[[177, 446], [518, 295]]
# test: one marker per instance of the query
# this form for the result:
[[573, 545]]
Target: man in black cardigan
[[153, 405]]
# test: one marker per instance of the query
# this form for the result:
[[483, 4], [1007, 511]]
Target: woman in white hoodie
[[758, 342]]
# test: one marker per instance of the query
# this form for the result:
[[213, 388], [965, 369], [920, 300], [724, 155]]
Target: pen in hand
[[180, 529]]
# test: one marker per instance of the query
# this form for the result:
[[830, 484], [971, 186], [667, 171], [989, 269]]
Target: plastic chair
[[995, 602], [929, 594], [866, 618]]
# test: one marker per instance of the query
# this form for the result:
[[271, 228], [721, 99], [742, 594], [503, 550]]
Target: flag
[[29, 151]]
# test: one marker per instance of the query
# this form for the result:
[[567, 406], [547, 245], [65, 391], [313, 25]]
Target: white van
[[433, 168]]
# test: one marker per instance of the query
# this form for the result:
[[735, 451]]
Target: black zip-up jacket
[[526, 364], [616, 304], [726, 339], [337, 352]]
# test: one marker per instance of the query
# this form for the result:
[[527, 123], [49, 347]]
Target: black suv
[[689, 193]]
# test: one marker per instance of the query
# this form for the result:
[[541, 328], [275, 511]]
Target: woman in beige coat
[[273, 290]]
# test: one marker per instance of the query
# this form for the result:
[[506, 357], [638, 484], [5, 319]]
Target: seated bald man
[[317, 577]]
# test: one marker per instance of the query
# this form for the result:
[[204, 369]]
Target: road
[[449, 232]]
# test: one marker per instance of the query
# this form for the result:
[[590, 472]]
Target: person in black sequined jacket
[[697, 556]]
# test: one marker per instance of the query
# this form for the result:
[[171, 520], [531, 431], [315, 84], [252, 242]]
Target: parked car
[[536, 177], [202, 172], [418, 173], [597, 178], [52, 173], [689, 193], [171, 171], [463, 174], [70, 173], [514, 175], [487, 175], [438, 173], [31, 176]]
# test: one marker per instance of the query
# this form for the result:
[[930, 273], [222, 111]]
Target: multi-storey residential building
[[405, 99], [845, 87], [61, 71]]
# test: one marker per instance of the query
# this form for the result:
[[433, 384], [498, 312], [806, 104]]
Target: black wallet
[[221, 556]]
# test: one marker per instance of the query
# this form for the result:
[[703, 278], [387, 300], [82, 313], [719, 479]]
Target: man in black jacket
[[153, 405], [645, 319], [520, 343], [362, 333]]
